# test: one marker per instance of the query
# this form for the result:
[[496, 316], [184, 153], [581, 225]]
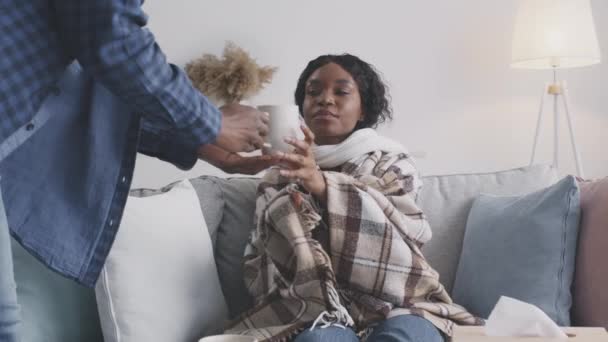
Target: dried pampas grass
[[233, 78]]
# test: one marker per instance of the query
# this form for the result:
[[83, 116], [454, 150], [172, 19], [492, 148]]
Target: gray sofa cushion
[[211, 199], [238, 195]]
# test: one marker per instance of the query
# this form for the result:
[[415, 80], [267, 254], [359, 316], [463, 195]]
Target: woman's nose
[[326, 99]]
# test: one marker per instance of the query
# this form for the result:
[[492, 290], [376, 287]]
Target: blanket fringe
[[339, 316], [307, 209]]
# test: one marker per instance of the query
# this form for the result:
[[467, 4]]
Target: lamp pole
[[557, 90]]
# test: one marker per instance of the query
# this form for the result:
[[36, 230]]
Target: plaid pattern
[[369, 264], [39, 38]]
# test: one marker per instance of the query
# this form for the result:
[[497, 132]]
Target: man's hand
[[244, 128], [231, 162]]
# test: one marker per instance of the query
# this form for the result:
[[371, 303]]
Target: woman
[[336, 253]]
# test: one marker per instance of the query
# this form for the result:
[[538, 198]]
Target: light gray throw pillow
[[446, 200], [522, 247]]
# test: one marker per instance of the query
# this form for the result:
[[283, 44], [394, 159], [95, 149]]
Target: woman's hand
[[231, 162], [301, 167]]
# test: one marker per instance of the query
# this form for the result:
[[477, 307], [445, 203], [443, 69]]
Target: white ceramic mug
[[228, 338], [284, 122]]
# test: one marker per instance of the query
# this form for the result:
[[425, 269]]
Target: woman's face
[[332, 104]]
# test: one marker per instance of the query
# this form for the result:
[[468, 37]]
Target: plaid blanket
[[354, 261]]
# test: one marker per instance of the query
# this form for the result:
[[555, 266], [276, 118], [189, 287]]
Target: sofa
[[55, 309]]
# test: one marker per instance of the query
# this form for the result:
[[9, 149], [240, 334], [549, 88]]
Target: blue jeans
[[404, 328], [9, 309]]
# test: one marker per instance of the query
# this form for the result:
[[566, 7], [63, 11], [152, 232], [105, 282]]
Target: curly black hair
[[375, 99]]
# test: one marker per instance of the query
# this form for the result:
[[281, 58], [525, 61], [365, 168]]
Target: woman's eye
[[342, 92], [313, 92]]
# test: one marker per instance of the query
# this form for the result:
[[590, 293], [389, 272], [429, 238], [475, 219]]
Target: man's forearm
[[109, 39]]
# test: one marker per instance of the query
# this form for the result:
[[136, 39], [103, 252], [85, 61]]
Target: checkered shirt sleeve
[[110, 40]]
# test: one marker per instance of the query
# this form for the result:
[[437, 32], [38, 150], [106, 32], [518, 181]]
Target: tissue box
[[576, 334]]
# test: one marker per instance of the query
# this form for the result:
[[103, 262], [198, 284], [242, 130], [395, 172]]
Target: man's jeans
[[404, 328], [9, 309]]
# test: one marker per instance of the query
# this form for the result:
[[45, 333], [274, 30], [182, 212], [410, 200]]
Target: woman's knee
[[406, 328]]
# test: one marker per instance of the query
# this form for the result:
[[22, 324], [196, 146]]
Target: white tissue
[[511, 317]]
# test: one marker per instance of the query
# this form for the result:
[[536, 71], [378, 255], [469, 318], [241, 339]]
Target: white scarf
[[360, 142]]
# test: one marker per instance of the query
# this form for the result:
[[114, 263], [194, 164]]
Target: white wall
[[446, 62]]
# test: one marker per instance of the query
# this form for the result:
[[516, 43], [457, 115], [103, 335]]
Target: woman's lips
[[324, 113]]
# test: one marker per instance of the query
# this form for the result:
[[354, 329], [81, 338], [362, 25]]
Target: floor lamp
[[555, 34]]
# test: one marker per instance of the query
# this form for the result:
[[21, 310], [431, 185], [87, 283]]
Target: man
[[83, 87]]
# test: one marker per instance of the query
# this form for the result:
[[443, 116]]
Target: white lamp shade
[[554, 33]]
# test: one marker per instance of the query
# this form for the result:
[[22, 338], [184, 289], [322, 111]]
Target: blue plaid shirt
[[83, 87]]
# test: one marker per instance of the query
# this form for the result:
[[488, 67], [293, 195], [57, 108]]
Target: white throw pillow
[[160, 281]]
